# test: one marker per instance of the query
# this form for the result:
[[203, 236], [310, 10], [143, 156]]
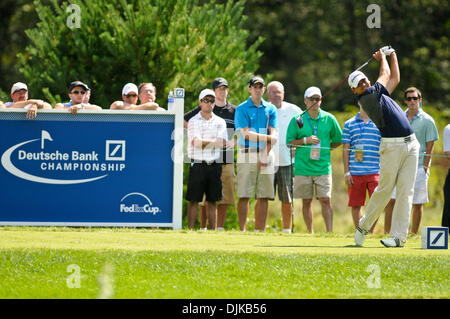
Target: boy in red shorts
[[361, 139]]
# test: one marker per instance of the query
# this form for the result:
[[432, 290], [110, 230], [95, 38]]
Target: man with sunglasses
[[77, 92], [224, 109], [399, 149], [207, 135], [129, 99], [313, 173], [426, 133], [147, 97]]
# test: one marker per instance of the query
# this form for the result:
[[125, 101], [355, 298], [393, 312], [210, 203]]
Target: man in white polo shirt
[[284, 161], [207, 135]]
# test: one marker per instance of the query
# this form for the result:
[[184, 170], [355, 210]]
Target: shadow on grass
[[311, 246]]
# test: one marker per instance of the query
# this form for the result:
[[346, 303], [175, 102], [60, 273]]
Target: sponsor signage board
[[95, 168]]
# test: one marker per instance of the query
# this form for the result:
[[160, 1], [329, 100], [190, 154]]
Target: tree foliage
[[319, 42], [171, 43]]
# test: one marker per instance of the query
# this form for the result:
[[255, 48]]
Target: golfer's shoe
[[360, 236], [392, 242]]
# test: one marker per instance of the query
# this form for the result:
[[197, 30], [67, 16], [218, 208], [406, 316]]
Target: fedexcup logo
[[24, 161], [138, 203]]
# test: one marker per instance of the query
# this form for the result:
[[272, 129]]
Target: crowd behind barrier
[[275, 154]]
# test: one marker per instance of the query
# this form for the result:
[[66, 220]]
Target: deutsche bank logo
[[115, 150], [437, 238]]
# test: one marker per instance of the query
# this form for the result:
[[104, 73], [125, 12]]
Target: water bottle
[[171, 102]]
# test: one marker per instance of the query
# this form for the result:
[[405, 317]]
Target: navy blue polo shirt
[[385, 112]]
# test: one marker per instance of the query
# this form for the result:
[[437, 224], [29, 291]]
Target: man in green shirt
[[320, 133]]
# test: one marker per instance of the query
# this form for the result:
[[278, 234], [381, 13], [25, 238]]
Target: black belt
[[204, 162]]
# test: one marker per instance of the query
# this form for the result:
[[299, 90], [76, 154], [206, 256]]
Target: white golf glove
[[387, 50]]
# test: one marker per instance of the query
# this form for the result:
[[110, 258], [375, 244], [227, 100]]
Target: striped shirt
[[201, 128], [355, 133]]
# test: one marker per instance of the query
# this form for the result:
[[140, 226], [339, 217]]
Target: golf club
[[299, 118]]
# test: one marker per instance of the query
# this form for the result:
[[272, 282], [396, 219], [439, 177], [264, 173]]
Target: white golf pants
[[398, 167]]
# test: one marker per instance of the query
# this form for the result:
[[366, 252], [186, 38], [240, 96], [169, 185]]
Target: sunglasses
[[314, 99], [78, 92], [131, 95], [209, 101], [409, 98]]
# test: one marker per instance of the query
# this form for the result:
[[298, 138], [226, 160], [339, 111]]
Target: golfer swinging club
[[399, 149]]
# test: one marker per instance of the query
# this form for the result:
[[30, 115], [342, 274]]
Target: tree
[[171, 43]]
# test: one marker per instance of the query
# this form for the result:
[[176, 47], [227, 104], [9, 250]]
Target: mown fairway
[[135, 263]]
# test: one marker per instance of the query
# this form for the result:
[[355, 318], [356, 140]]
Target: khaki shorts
[[250, 179], [228, 186], [420, 187], [304, 186]]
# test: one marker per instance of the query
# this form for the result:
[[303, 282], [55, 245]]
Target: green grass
[[140, 263]]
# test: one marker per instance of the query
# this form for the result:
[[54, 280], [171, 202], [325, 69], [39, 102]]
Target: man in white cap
[[399, 149], [19, 96], [129, 98], [320, 134], [207, 135]]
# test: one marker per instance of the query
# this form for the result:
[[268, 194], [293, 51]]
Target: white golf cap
[[206, 92], [313, 90], [18, 86], [355, 77], [129, 87]]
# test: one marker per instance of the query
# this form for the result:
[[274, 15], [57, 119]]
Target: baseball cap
[[18, 86], [255, 80], [78, 83], [219, 82], [129, 87], [313, 90], [206, 92], [355, 77]]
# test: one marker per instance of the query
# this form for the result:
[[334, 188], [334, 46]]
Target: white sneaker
[[392, 242], [360, 236]]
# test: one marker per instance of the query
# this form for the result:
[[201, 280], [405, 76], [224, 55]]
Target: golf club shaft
[[339, 84]]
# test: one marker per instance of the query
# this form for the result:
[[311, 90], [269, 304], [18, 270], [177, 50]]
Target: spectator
[[2, 106], [426, 133], [87, 96], [313, 161], [361, 139], [147, 97], [225, 110], [129, 99], [207, 135], [446, 212], [256, 121], [77, 92], [283, 180], [399, 149], [19, 96]]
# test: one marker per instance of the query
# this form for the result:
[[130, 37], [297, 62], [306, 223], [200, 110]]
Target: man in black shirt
[[225, 110]]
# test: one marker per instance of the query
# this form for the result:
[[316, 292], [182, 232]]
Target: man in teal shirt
[[320, 133], [426, 133]]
